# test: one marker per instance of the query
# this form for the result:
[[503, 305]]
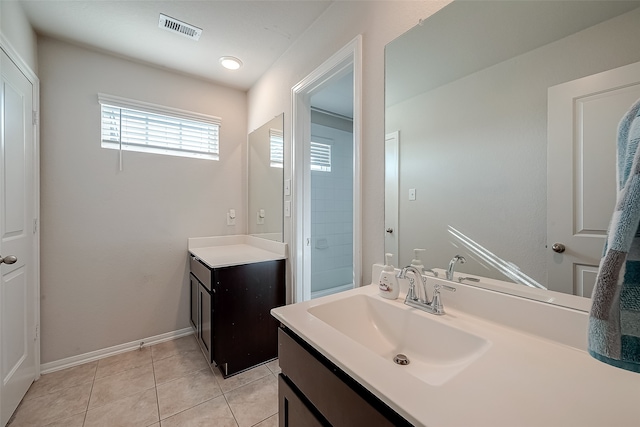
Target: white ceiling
[[257, 32]]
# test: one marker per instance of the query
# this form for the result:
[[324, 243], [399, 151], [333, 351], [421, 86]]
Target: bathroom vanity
[[313, 391], [491, 360], [234, 282]]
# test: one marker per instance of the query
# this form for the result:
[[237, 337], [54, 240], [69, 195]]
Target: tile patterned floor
[[165, 385]]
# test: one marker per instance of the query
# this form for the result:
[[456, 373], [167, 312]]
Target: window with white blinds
[[276, 148], [320, 157], [139, 126]]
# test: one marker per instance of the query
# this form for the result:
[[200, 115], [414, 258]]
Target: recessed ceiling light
[[230, 62]]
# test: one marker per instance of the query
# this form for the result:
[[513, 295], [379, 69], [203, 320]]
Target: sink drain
[[401, 359]]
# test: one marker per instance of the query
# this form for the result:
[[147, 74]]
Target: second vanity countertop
[[521, 380], [225, 251]]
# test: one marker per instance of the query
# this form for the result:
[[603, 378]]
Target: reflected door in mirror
[[583, 122]]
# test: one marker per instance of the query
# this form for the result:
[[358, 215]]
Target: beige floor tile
[[272, 421], [177, 366], [214, 412], [274, 366], [74, 421], [124, 361], [137, 410], [127, 383], [254, 402], [43, 410], [139, 388], [60, 380], [241, 379], [186, 392], [174, 347]]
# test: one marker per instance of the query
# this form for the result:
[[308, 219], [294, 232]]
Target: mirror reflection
[[473, 95], [266, 157]]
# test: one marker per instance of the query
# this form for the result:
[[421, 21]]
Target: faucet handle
[[436, 303], [438, 286], [412, 289]]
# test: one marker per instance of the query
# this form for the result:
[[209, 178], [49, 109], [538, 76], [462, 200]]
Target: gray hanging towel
[[614, 321]]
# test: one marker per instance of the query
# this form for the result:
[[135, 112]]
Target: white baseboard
[[69, 362]]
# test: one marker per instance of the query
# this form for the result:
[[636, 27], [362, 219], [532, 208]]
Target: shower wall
[[332, 210]]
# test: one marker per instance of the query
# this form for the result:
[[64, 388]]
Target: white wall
[[379, 23], [475, 150], [114, 244], [15, 27]]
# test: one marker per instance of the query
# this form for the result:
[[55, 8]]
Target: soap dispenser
[[417, 260], [388, 284]]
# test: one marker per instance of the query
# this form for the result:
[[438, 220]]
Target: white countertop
[[225, 251], [521, 380]]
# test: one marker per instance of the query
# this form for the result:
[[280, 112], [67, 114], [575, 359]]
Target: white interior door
[[391, 188], [17, 213], [582, 131]]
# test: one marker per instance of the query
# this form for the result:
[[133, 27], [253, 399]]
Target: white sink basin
[[436, 351]]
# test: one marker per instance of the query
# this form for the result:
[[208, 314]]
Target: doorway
[[326, 240]]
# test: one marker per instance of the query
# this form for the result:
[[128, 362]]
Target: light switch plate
[[287, 187], [412, 194], [231, 217]]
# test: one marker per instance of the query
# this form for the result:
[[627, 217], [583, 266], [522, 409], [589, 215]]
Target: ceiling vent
[[171, 24]]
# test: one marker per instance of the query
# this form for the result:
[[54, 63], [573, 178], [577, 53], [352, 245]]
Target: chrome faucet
[[452, 265], [412, 294], [412, 300]]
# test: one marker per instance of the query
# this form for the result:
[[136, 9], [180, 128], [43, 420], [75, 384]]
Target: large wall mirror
[[266, 174], [470, 95]]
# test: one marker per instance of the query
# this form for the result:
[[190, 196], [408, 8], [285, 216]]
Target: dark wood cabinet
[[206, 330], [231, 316], [294, 411], [201, 314], [194, 285], [314, 391]]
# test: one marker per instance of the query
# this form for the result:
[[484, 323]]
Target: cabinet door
[[195, 293], [292, 410], [205, 321]]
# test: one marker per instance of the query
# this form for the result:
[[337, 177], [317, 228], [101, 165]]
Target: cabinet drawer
[[339, 398], [201, 271]]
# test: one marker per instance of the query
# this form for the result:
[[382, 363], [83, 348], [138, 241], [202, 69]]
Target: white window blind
[[276, 148], [320, 157], [139, 126]]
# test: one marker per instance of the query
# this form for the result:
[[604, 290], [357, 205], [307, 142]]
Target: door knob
[[389, 230], [558, 247], [9, 259]]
